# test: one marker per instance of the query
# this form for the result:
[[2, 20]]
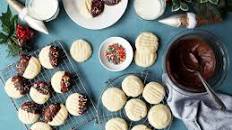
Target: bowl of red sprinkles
[[115, 54]]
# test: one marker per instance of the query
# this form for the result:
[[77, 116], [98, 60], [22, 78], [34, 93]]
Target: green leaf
[[215, 2], [3, 38], [6, 20], [175, 7], [184, 6]]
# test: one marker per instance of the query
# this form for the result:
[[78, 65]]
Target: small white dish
[[110, 15], [110, 66]]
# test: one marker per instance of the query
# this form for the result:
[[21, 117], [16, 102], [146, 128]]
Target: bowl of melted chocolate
[[196, 51]]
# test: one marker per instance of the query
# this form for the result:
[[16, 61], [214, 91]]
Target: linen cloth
[[197, 111]]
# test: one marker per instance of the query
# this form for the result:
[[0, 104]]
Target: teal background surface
[[129, 26]]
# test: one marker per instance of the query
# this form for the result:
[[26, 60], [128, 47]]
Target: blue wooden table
[[128, 27]]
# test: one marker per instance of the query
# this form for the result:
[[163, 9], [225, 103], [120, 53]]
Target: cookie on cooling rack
[[28, 66], [40, 126], [116, 124], [29, 112], [159, 116], [154, 93], [140, 127], [132, 86], [113, 99], [76, 104], [61, 81], [55, 114], [16, 87], [49, 56], [40, 92], [136, 109]]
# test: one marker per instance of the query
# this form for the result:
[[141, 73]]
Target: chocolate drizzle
[[97, 7], [21, 84], [111, 2], [65, 82], [22, 63], [82, 104], [42, 87], [54, 54], [50, 112], [31, 107]]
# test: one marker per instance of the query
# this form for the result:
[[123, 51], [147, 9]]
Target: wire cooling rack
[[66, 64], [104, 115]]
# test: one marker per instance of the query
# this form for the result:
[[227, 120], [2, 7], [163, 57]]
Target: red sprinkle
[[115, 53]]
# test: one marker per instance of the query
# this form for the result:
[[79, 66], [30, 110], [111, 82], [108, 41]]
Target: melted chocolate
[[187, 57], [42, 87], [54, 54], [31, 107], [97, 7], [50, 112], [65, 82], [111, 2], [21, 84], [22, 63], [82, 104]]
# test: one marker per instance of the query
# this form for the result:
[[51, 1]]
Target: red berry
[[23, 34]]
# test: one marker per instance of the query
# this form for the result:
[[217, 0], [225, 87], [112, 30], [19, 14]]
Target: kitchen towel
[[197, 111]]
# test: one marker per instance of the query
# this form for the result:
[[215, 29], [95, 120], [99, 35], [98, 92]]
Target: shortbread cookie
[[159, 116], [140, 127], [136, 109], [147, 40], [55, 114], [154, 93], [114, 99], [116, 124], [28, 66], [76, 104], [85, 8], [49, 57], [132, 86], [40, 92], [80, 50], [40, 126], [16, 87], [145, 59], [61, 81], [29, 112]]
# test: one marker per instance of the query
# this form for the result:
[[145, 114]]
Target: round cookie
[[28, 66], [140, 127], [154, 93], [116, 124], [16, 87], [80, 50], [85, 8], [40, 126], [29, 112], [135, 109], [55, 114], [145, 59], [132, 86], [159, 116], [49, 57], [147, 40], [76, 104], [61, 81], [40, 92], [114, 99]]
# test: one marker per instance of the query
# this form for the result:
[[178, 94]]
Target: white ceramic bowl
[[110, 66]]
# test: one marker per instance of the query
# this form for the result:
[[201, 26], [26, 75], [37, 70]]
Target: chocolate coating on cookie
[[50, 112], [83, 104], [65, 82], [42, 87], [22, 63], [111, 2], [54, 54], [21, 84], [31, 107], [97, 7]]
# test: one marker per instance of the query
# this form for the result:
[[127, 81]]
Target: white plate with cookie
[[79, 11]]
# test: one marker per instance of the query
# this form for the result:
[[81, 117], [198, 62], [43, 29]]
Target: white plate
[[110, 15], [129, 54]]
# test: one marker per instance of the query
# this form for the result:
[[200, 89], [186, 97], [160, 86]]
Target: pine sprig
[[7, 36]]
